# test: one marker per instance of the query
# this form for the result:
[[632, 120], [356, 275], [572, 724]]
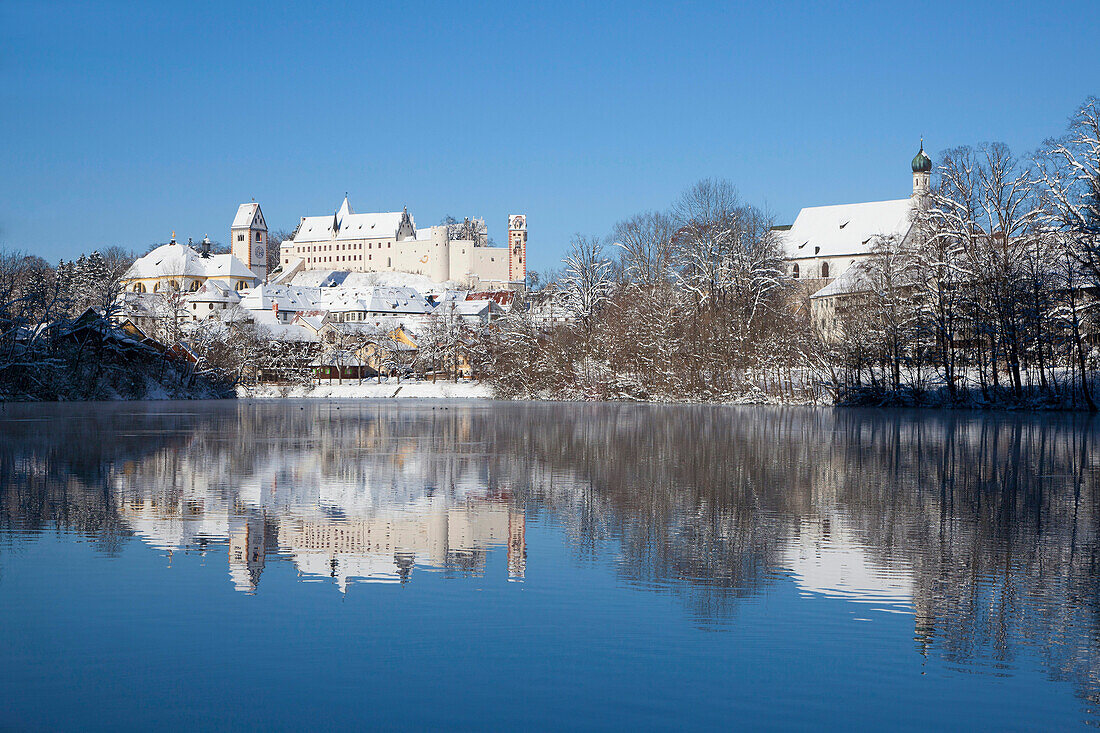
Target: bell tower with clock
[[248, 238], [517, 248]]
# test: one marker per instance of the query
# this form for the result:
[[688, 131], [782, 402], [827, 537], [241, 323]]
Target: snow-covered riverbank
[[388, 389]]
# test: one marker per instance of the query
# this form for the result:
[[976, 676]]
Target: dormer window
[[844, 223]]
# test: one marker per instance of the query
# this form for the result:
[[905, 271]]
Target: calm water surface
[[413, 565]]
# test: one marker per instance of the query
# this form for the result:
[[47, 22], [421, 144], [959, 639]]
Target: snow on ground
[[371, 389]]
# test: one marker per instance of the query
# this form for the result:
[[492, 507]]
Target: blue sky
[[123, 122]]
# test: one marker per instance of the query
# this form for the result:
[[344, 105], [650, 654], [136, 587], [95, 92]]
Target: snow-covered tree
[[587, 278]]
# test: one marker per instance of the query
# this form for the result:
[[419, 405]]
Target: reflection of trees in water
[[993, 516], [998, 516], [56, 463]]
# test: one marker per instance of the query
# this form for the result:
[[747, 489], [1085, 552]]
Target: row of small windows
[[192, 287], [341, 247]]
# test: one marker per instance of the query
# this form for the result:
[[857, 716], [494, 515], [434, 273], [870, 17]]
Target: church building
[[181, 268], [824, 241]]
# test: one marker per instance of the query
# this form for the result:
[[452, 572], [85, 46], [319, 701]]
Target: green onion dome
[[922, 163]]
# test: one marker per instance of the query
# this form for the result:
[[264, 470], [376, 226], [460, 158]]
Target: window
[[824, 269], [257, 236], [794, 271], [240, 237]]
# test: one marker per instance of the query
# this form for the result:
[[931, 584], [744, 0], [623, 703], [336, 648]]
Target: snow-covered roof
[[313, 320], [855, 279], [290, 299], [352, 226], [247, 214], [377, 300], [179, 260], [846, 229], [282, 331], [214, 291], [481, 307]]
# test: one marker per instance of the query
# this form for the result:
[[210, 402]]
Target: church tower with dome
[[922, 174]]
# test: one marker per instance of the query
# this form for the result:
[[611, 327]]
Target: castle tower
[[248, 238], [517, 248], [922, 173]]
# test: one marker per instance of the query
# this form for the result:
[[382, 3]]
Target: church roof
[[179, 260], [846, 229]]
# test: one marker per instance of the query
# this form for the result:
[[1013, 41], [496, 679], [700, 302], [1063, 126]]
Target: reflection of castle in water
[[372, 512], [382, 547]]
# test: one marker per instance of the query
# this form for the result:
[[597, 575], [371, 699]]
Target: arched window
[[139, 287], [824, 269], [194, 286], [794, 271], [241, 285]]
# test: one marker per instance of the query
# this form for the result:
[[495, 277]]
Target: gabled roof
[[856, 279], [249, 214], [377, 300], [345, 224], [503, 298], [846, 229], [351, 226], [215, 291]]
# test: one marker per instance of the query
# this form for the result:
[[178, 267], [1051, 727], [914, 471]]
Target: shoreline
[[387, 390]]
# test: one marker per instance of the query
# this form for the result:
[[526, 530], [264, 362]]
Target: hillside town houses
[[348, 272]]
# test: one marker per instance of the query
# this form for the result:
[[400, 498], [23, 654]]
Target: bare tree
[[647, 253], [586, 279]]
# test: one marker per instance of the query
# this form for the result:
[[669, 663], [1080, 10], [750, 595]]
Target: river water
[[425, 565]]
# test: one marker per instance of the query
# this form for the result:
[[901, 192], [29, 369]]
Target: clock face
[[258, 253], [517, 222]]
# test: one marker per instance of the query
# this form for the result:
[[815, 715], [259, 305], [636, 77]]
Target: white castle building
[[390, 242]]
